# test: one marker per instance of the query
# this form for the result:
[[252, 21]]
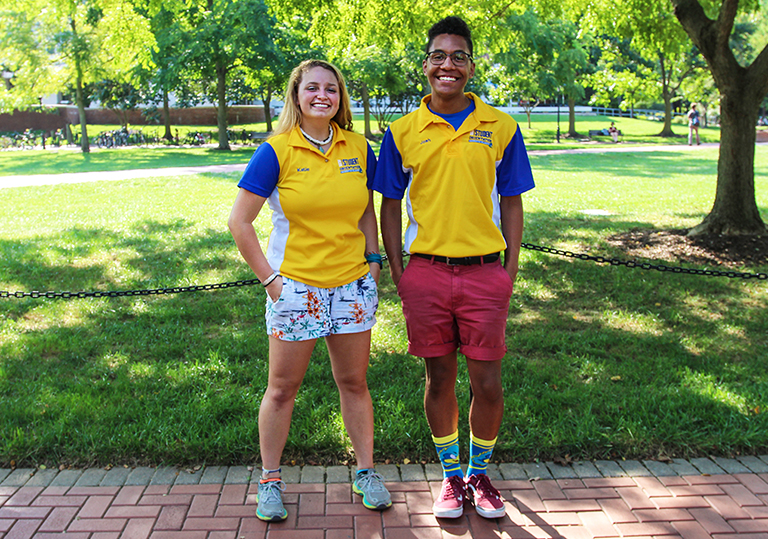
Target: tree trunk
[[221, 86], [742, 90], [366, 99], [84, 145], [666, 94], [167, 116], [572, 118], [735, 208], [267, 99]]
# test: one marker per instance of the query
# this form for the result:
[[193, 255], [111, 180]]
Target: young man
[[462, 166]]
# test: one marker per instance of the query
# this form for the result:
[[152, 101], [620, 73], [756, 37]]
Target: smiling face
[[447, 80], [318, 95]]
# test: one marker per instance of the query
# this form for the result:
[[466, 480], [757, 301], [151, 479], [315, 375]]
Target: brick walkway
[[697, 499]]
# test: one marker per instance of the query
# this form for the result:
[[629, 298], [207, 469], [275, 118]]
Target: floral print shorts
[[304, 312]]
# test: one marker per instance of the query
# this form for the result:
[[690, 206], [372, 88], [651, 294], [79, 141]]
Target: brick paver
[[591, 500]]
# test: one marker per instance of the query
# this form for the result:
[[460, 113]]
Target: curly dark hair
[[450, 25]]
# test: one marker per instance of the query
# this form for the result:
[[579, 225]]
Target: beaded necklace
[[319, 143]]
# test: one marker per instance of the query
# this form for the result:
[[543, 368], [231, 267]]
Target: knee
[[281, 394], [352, 385], [488, 389], [441, 380]]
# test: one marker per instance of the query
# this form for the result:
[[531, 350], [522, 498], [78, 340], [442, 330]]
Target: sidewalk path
[[82, 177], [697, 499]]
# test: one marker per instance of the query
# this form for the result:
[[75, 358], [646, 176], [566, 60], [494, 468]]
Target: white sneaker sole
[[447, 513], [494, 513]]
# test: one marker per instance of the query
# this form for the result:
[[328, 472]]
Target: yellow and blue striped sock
[[480, 452], [448, 453]]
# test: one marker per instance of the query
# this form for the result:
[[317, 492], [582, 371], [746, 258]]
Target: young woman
[[320, 270]]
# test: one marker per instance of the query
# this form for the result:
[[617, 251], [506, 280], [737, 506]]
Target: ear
[[424, 66]]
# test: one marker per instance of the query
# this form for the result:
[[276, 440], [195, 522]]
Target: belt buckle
[[456, 261]]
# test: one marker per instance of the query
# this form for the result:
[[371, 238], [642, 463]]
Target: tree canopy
[[224, 50]]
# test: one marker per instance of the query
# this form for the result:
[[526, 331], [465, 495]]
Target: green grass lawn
[[603, 362], [540, 136]]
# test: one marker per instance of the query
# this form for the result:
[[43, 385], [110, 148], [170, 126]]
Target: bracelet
[[271, 278], [374, 258]]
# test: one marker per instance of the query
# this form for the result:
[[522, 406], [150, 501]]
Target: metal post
[[558, 120]]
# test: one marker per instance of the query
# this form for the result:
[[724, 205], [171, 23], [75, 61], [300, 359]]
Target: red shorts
[[455, 307]]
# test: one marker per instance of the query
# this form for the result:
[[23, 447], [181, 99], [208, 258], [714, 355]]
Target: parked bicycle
[[119, 137], [26, 140]]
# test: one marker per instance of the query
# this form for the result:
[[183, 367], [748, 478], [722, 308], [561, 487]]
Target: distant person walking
[[693, 125], [321, 267]]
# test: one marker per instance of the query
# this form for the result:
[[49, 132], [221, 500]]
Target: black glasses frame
[[456, 61]]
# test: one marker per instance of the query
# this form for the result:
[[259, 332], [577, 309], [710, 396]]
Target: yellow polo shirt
[[451, 179], [317, 201]]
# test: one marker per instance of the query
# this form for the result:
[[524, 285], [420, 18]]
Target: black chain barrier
[[126, 293], [549, 250], [645, 265]]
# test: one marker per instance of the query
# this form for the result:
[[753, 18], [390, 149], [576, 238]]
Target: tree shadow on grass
[[604, 362], [632, 363]]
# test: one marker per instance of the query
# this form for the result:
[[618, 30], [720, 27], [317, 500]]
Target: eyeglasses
[[459, 58]]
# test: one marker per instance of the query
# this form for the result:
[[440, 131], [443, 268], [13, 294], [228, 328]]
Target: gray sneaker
[[270, 499], [370, 486]]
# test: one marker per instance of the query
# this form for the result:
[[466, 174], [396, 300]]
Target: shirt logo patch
[[483, 137], [350, 165], [302, 170], [425, 141]]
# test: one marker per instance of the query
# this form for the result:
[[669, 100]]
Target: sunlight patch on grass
[[699, 307], [734, 331], [139, 370], [389, 335], [709, 387], [115, 360], [535, 289], [634, 322]]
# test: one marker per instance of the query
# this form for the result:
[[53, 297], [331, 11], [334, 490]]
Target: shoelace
[[485, 487], [455, 486], [373, 482], [272, 491]]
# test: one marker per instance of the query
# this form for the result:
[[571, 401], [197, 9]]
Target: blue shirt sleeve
[[263, 171], [370, 170], [513, 174], [390, 179]]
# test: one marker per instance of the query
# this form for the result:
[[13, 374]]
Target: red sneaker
[[450, 503], [487, 499]]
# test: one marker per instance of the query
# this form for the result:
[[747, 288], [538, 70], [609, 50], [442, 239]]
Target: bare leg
[[487, 408], [350, 354], [288, 362], [440, 404]]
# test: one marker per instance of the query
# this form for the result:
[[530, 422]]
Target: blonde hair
[[290, 117]]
